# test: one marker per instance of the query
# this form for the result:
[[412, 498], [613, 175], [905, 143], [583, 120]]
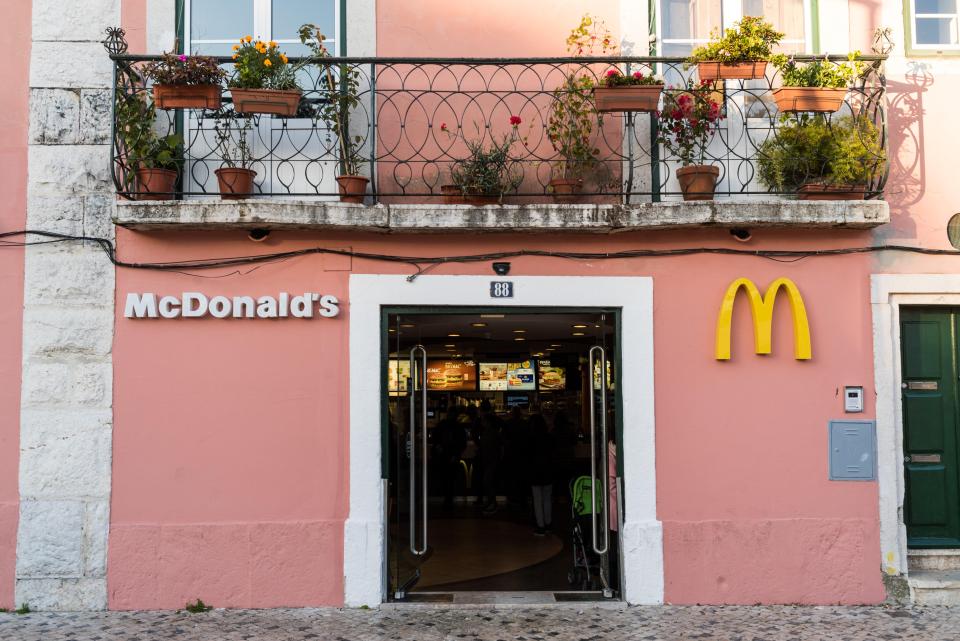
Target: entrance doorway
[[929, 354], [502, 454]]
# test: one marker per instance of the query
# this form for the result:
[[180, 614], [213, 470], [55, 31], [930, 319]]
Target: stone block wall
[[67, 390]]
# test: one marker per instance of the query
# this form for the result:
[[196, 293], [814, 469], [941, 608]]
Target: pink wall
[[230, 441], [13, 184]]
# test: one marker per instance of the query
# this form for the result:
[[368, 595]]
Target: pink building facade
[[148, 459]]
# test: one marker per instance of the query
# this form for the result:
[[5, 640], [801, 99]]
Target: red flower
[[443, 126], [693, 122], [515, 120], [684, 99], [612, 73], [637, 75], [676, 114]]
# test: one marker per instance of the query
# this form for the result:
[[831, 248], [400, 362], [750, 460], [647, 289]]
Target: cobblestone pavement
[[542, 624]]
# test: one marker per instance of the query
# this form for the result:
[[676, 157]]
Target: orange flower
[[236, 47], [283, 57], [272, 44], [267, 63], [247, 38]]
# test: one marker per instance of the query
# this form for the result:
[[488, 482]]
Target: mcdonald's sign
[[761, 308]]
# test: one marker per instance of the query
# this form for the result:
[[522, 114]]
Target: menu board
[[550, 378], [452, 376], [521, 376], [493, 377], [596, 375], [398, 377]]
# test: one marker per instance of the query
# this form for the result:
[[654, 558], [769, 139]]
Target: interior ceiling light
[[519, 338], [453, 335], [579, 334], [450, 345], [519, 331], [579, 326], [478, 324], [391, 330], [407, 325], [555, 345], [491, 315]]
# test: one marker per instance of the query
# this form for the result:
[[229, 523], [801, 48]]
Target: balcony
[[411, 125]]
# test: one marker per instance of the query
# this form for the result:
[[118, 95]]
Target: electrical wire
[[423, 264]]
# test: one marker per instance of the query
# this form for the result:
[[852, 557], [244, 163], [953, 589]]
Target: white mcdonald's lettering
[[196, 305]]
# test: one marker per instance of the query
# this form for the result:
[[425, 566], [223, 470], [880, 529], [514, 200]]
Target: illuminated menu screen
[[452, 376], [493, 377], [521, 376], [550, 378], [398, 377]]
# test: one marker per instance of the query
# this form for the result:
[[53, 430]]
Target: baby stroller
[[585, 573]]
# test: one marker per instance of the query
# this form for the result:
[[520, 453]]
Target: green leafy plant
[[261, 65], [751, 39], [614, 78], [689, 119], [487, 171], [23, 609], [197, 607], [233, 141], [341, 85], [174, 69], [843, 151], [573, 116], [143, 147], [819, 73]]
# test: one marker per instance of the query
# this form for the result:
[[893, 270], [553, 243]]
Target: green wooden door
[[929, 357]]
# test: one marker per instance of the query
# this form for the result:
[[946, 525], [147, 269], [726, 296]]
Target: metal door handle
[[596, 349], [413, 445]]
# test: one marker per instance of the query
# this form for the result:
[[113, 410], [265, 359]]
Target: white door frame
[[888, 292], [365, 527]]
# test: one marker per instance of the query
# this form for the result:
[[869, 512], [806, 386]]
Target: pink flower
[[612, 73], [515, 120], [676, 114], [684, 99], [693, 122], [183, 58], [637, 75]]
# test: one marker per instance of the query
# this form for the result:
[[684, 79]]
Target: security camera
[[258, 235], [501, 269]]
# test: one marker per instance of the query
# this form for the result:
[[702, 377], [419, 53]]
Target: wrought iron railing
[[414, 114]]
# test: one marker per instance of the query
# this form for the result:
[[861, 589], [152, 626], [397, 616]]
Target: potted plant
[[265, 82], [234, 177], [341, 84], [185, 82], [636, 92], [573, 115], [817, 86], [688, 121], [821, 159], [487, 173], [740, 53], [152, 161]]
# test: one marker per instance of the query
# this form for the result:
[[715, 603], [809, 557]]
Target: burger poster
[[521, 376], [551, 378], [493, 377], [451, 376]]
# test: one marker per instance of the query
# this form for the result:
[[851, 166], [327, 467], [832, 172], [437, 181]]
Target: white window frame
[[731, 11], [262, 27], [933, 47]]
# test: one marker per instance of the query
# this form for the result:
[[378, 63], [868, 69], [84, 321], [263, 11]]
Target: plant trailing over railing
[[844, 151], [751, 39], [822, 72], [487, 174]]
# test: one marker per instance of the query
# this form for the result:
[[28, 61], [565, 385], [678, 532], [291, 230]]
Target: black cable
[[418, 262]]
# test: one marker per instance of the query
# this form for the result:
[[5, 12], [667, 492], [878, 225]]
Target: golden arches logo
[[761, 308]]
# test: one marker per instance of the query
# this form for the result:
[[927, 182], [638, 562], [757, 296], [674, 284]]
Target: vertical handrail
[[413, 446], [593, 450]]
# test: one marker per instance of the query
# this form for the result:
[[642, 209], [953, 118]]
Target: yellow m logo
[[762, 309]]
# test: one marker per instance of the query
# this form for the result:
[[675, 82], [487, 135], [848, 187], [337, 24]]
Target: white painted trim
[[642, 536], [888, 292]]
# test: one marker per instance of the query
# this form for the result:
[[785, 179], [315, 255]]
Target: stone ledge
[[274, 213]]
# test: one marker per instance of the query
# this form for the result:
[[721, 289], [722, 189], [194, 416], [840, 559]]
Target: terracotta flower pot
[[352, 188], [266, 101], [235, 183], [822, 191], [155, 184], [480, 200], [451, 194], [709, 70], [698, 182], [627, 98], [187, 96], [566, 190], [816, 99]]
